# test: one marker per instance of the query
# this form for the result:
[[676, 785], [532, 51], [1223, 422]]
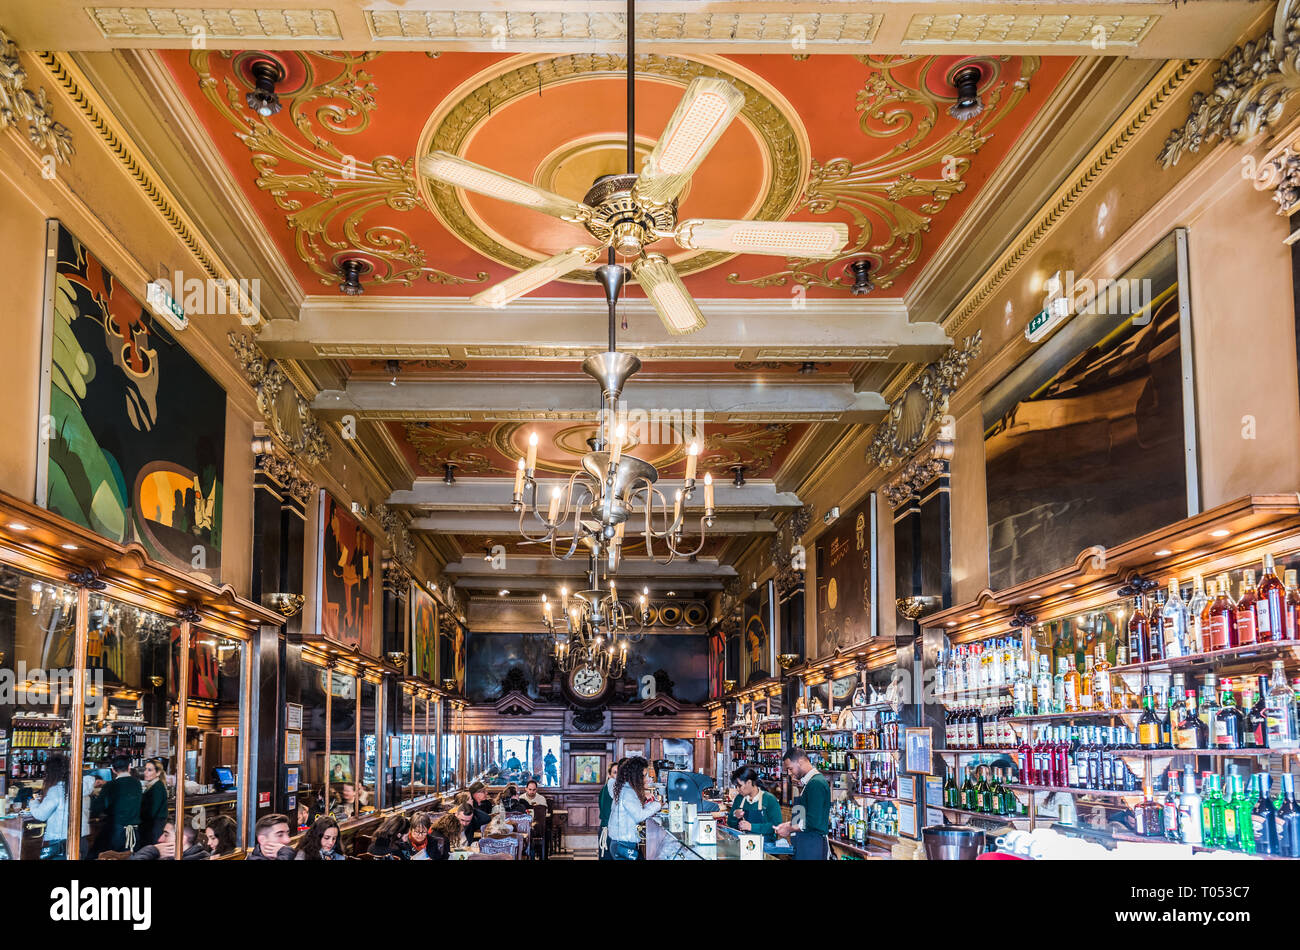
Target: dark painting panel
[[1084, 442], [347, 577], [452, 654], [844, 582], [757, 635], [424, 633], [136, 429]]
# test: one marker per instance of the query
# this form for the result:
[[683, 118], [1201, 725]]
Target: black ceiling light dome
[[350, 271], [966, 83], [263, 99]]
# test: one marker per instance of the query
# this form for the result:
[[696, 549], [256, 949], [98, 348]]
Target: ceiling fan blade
[[675, 306], [701, 117], [526, 281], [815, 239], [453, 170]]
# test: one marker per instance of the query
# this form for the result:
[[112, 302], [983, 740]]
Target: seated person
[[424, 843], [753, 810], [165, 848], [531, 796], [321, 843], [343, 801], [509, 802], [220, 835], [306, 812], [390, 840], [454, 828], [271, 839]]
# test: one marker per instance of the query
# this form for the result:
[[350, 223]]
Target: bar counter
[[661, 844]]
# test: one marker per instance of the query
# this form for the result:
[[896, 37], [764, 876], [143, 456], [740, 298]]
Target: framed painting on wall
[[424, 633], [345, 577], [132, 437], [588, 769], [846, 579], [451, 650]]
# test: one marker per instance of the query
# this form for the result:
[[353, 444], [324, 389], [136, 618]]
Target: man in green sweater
[[753, 810], [811, 808]]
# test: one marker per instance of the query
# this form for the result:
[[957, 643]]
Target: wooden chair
[[537, 834], [559, 820], [502, 844]]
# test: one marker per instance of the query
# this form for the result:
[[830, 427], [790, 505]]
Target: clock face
[[587, 681]]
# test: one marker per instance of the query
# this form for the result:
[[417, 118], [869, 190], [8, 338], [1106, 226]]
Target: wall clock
[[586, 687]]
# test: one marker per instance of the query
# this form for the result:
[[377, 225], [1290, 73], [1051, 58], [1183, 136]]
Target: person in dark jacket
[[606, 803], [478, 799], [153, 803], [390, 839], [754, 810], [165, 848], [119, 803], [271, 835]]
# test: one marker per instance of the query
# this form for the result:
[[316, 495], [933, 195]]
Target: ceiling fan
[[628, 213]]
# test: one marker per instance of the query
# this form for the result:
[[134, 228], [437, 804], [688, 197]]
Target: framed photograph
[[293, 716], [918, 750], [907, 820], [340, 768], [394, 752], [291, 779], [588, 769], [291, 803], [292, 747]]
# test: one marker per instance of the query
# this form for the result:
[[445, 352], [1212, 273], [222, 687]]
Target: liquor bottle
[[984, 794], [1247, 631], [1103, 694], [1164, 711], [1172, 815], [1044, 687], [1291, 607], [1139, 633], [1197, 641], [1209, 702], [1071, 685], [1156, 627], [1087, 689], [1025, 760], [1230, 721], [1148, 815], [1175, 620], [1288, 819], [1264, 817], [1190, 816], [1280, 712], [1270, 604], [1253, 701], [1148, 727], [1058, 686], [968, 793], [952, 791], [1192, 732], [1212, 811], [1022, 691], [1223, 617], [1237, 823]]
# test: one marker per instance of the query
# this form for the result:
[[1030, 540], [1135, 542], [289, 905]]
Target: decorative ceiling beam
[[544, 566], [470, 494], [802, 27], [505, 524], [572, 328], [685, 587], [682, 402]]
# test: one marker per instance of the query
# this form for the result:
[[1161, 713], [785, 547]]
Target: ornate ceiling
[[861, 139]]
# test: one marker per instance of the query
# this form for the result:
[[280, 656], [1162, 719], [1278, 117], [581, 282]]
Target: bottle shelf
[[1010, 750], [1084, 714], [1271, 649], [1198, 848], [1087, 792], [1224, 753], [979, 814], [956, 697]]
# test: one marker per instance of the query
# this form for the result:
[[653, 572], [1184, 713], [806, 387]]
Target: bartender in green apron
[[754, 810], [811, 808]]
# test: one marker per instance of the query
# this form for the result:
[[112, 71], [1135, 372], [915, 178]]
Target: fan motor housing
[[622, 221]]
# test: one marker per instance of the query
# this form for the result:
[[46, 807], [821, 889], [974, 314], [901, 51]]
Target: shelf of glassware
[[1014, 820]]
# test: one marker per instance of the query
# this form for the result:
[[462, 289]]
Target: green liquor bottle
[[951, 791], [1212, 817], [984, 794], [968, 793], [1240, 807]]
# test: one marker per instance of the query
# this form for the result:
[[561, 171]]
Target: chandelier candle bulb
[[677, 509], [708, 495], [532, 453], [616, 448], [692, 455], [554, 511], [519, 483]]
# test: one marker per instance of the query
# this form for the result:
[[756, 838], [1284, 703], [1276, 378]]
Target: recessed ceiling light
[[1163, 552], [151, 580], [17, 526], [502, 592], [972, 616], [951, 623], [181, 591], [68, 547], [1066, 586], [1035, 596], [1216, 533]]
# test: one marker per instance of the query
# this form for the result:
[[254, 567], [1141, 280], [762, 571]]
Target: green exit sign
[[1043, 323]]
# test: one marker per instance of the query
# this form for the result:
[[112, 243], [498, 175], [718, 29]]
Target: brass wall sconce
[[914, 607], [787, 660], [288, 605]]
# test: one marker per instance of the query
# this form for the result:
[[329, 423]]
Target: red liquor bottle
[[1139, 640], [1025, 760], [1223, 617], [1247, 631], [1270, 604], [1156, 628]]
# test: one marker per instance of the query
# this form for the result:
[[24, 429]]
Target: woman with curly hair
[[321, 842], [629, 809], [454, 826]]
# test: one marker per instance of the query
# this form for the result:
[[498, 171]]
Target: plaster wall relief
[[21, 105]]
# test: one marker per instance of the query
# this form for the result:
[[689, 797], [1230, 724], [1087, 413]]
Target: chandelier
[[591, 622], [611, 489]]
